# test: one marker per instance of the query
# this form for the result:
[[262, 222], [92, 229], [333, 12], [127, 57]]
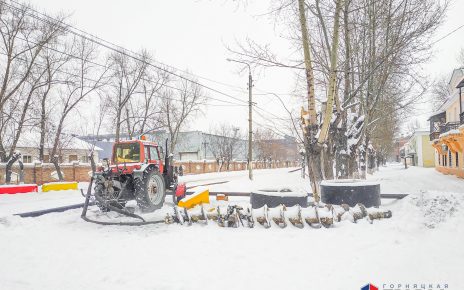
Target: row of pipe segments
[[315, 216]]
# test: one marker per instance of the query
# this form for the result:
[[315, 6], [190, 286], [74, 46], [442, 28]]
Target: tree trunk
[[371, 156], [341, 154], [332, 77], [92, 162], [54, 154], [129, 130], [342, 164], [56, 163], [315, 171], [328, 159], [363, 157], [353, 169], [9, 165], [42, 129], [310, 126], [118, 125]]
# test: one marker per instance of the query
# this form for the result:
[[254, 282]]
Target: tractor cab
[[132, 154]]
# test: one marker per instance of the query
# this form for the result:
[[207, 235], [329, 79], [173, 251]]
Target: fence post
[[34, 175], [40, 173]]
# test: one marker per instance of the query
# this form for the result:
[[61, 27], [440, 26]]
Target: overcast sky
[[192, 34]]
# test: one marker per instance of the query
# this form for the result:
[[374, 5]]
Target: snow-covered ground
[[421, 244]]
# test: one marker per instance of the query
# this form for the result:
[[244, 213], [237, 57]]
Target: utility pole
[[250, 118], [250, 126]]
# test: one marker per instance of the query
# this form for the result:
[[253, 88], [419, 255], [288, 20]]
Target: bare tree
[[23, 39], [440, 91], [370, 78], [265, 148], [179, 106], [53, 63], [143, 110], [85, 77], [128, 74], [224, 143]]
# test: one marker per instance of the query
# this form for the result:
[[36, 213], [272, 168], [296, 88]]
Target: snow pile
[[437, 208]]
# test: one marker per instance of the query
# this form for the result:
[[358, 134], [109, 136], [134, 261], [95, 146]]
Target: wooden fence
[[41, 173]]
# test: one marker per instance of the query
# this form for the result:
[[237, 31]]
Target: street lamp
[[250, 128]]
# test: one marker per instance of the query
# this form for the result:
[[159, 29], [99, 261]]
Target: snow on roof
[[450, 132], [32, 139], [76, 143]]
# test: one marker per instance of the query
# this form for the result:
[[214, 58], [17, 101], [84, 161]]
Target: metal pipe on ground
[[51, 210]]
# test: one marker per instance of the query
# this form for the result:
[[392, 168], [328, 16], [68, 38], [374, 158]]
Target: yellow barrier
[[59, 186], [200, 196]]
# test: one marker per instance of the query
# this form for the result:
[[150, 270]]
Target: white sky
[[192, 34]]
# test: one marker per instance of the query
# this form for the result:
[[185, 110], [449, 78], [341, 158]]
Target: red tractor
[[136, 171]]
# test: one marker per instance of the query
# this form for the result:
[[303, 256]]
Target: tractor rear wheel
[[150, 191]]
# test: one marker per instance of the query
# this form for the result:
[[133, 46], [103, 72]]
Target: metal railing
[[449, 126], [446, 127], [434, 135]]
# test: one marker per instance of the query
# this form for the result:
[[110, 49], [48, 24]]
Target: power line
[[122, 48], [111, 68], [116, 87], [111, 46], [448, 34]]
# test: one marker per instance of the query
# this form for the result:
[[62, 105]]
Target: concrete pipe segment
[[276, 197], [351, 192]]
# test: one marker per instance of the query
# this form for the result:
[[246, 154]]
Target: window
[[147, 153], [154, 153], [84, 159], [127, 152], [27, 159], [450, 159], [457, 159], [72, 158]]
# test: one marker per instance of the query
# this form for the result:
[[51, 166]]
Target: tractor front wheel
[[150, 191]]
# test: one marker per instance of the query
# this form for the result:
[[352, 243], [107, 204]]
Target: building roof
[[460, 83], [31, 140]]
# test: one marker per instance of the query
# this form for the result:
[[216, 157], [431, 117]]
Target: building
[[447, 129], [71, 150], [419, 150], [197, 145], [191, 145], [398, 149]]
